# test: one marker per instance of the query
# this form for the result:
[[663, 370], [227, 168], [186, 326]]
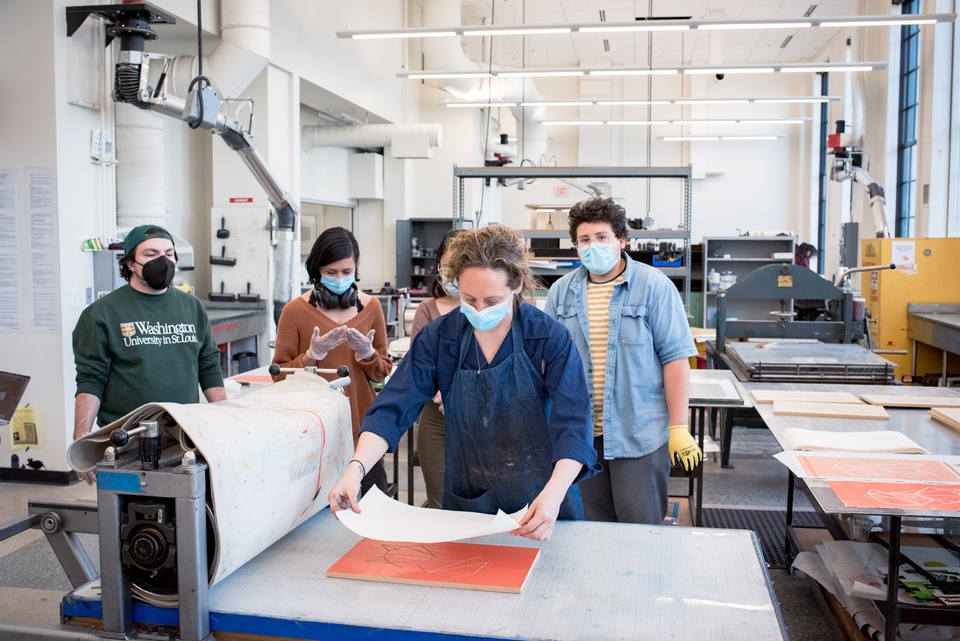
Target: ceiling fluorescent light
[[711, 101], [403, 34], [515, 31], [574, 123], [749, 137], [481, 104], [897, 21], [558, 103], [787, 101], [826, 69], [638, 122], [703, 122], [430, 75], [731, 70], [628, 27], [689, 138], [717, 26], [630, 103], [633, 72], [536, 73]]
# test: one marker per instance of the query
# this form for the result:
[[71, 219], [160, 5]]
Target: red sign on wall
[[560, 192], [246, 199]]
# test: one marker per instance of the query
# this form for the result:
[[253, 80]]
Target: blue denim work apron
[[498, 448]]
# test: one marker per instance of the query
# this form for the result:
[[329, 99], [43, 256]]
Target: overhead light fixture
[[633, 72], [683, 121], [737, 26], [538, 73], [714, 138], [437, 75], [838, 67], [728, 70], [729, 24], [636, 103], [481, 104]]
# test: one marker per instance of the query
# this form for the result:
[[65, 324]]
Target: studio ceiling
[[667, 49]]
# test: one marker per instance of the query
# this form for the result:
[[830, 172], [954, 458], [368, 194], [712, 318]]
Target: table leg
[[725, 438], [890, 610]]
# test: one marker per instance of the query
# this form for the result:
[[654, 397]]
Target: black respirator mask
[[158, 273]]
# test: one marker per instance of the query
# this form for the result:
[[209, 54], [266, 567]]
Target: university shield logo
[[127, 330]]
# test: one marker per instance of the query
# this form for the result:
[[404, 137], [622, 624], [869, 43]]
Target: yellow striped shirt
[[598, 315]]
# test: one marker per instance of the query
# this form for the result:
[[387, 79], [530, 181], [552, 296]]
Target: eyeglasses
[[601, 238]]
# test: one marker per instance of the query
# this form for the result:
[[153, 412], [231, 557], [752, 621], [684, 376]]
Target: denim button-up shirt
[[647, 329]]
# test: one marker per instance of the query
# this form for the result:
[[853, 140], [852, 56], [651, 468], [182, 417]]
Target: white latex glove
[[362, 345], [320, 346]]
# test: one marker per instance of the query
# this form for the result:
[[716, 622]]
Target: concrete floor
[[32, 583]]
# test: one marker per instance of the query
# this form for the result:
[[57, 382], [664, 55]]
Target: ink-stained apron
[[498, 449]]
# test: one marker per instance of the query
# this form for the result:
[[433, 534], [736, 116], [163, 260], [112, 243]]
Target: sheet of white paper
[[874, 441], [383, 519]]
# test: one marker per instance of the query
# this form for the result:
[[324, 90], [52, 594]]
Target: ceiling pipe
[[405, 141], [446, 54]]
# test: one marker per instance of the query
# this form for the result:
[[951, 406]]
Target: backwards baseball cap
[[139, 234]]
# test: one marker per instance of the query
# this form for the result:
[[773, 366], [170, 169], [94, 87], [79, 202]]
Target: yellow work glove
[[684, 452]]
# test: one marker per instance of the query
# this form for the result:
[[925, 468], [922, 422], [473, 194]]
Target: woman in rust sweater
[[336, 324]]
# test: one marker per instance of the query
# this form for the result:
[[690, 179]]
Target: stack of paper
[[874, 441]]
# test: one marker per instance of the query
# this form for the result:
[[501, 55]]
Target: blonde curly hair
[[493, 247]]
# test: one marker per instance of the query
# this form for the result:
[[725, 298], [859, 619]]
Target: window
[[907, 124]]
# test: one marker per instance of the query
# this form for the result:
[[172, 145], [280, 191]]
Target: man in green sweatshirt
[[146, 342]]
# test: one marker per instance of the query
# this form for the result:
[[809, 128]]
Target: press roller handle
[[341, 371]]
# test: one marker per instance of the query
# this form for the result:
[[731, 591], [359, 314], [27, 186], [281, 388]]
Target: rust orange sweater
[[293, 338]]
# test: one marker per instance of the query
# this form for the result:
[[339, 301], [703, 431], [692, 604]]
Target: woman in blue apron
[[517, 412]]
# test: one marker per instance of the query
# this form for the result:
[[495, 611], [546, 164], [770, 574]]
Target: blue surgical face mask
[[599, 258], [488, 318], [338, 285], [450, 286]]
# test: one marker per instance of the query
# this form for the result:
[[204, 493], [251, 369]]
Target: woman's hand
[[320, 346], [362, 345], [537, 524], [439, 401], [345, 493]]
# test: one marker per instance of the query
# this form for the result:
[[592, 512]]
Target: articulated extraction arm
[[201, 110], [847, 164]]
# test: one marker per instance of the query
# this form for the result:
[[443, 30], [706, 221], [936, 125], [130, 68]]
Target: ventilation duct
[[242, 54], [405, 141], [446, 54]]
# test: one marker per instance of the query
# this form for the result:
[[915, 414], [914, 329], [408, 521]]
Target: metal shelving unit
[[460, 174]]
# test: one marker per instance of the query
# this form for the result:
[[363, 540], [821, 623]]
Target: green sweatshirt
[[133, 348]]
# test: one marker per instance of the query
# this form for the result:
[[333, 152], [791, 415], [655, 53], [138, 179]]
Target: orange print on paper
[[898, 496], [470, 566], [878, 468]]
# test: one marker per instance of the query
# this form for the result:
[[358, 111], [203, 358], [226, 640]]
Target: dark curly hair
[[436, 287], [598, 210]]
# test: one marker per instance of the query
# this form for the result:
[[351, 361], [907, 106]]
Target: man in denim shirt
[[629, 324]]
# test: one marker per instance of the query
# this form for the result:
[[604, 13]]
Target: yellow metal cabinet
[[927, 273]]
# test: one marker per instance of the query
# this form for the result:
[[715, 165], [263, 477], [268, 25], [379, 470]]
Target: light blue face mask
[[599, 258], [450, 286], [338, 285], [488, 318]]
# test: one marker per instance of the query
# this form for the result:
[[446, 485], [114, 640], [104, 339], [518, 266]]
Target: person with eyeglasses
[[444, 298], [517, 415], [628, 321]]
